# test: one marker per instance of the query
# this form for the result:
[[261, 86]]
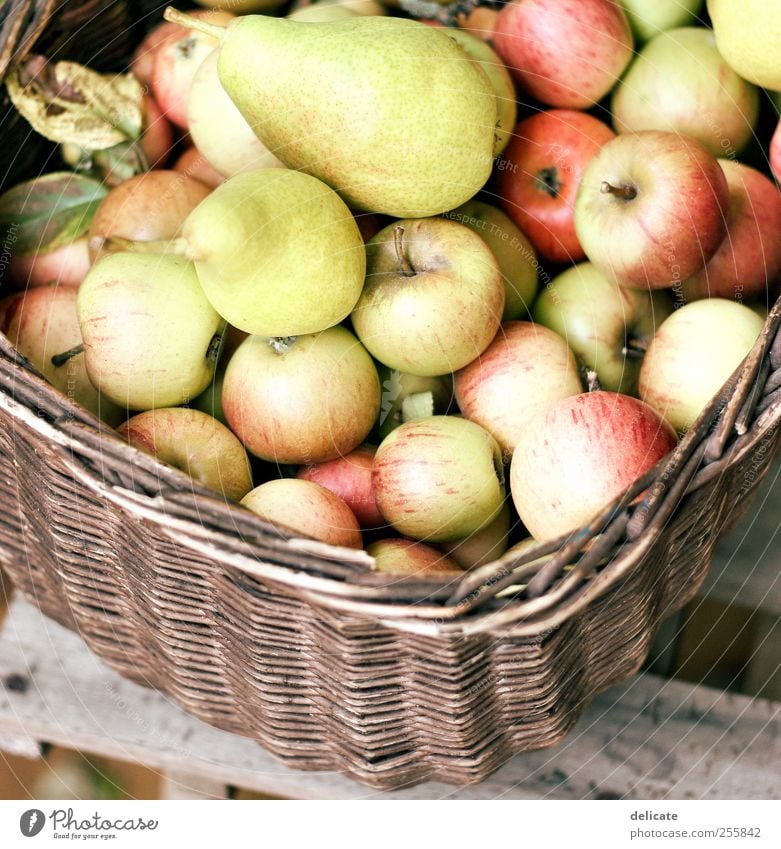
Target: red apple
[[308, 509], [405, 557], [42, 323], [539, 175], [176, 60], [350, 477], [194, 164], [576, 457], [775, 153], [143, 61], [303, 399], [66, 265], [567, 53], [652, 209], [197, 444], [749, 258], [146, 208], [526, 369], [439, 479]]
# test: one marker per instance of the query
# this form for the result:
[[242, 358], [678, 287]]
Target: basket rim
[[342, 579]]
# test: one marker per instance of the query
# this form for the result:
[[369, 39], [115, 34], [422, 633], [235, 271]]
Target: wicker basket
[[327, 664]]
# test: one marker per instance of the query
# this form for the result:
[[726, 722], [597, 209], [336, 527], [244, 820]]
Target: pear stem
[[624, 191], [60, 359], [405, 266], [174, 16], [116, 244]]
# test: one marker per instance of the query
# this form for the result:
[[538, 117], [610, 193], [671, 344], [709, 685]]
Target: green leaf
[[68, 103], [49, 211]]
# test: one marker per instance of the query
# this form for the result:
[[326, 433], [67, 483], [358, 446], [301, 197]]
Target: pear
[[218, 129], [391, 113], [151, 339], [278, 253]]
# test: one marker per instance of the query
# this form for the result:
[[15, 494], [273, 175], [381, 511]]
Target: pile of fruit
[[425, 289]]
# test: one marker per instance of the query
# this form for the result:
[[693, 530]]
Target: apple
[[151, 338], [747, 35], [566, 53], [498, 76], [577, 456], [301, 400], [439, 479], [679, 83], [512, 250], [157, 137], [652, 208], [143, 61], [650, 17], [306, 508], [219, 130], [41, 324], [608, 327], [749, 258], [195, 443], [176, 61], [350, 477], [66, 265], [405, 557], [539, 175], [194, 164], [525, 369], [405, 395], [149, 207], [484, 546], [775, 153], [692, 356], [433, 298]]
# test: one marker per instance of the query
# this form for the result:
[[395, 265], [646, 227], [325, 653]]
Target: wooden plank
[[746, 567], [184, 785], [647, 739]]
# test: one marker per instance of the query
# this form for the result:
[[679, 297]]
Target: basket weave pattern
[[301, 646]]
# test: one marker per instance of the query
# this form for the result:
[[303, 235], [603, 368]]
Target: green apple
[[748, 34], [606, 326], [692, 356], [650, 17], [484, 546], [499, 77], [439, 479], [306, 508], [679, 83], [151, 338], [197, 444], [513, 251], [433, 298]]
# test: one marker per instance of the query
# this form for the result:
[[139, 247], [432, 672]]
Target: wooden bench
[[649, 738]]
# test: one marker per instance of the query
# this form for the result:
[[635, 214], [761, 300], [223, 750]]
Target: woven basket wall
[[327, 664]]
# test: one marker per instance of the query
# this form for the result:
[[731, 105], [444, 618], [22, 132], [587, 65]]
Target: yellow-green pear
[[748, 35], [278, 253], [391, 113]]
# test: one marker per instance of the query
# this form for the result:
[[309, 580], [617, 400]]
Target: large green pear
[[278, 253], [391, 113]]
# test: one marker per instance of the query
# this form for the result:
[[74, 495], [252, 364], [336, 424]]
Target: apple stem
[[174, 16], [281, 344], [405, 266], [592, 381], [215, 348], [624, 191], [116, 244], [635, 349], [60, 359]]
